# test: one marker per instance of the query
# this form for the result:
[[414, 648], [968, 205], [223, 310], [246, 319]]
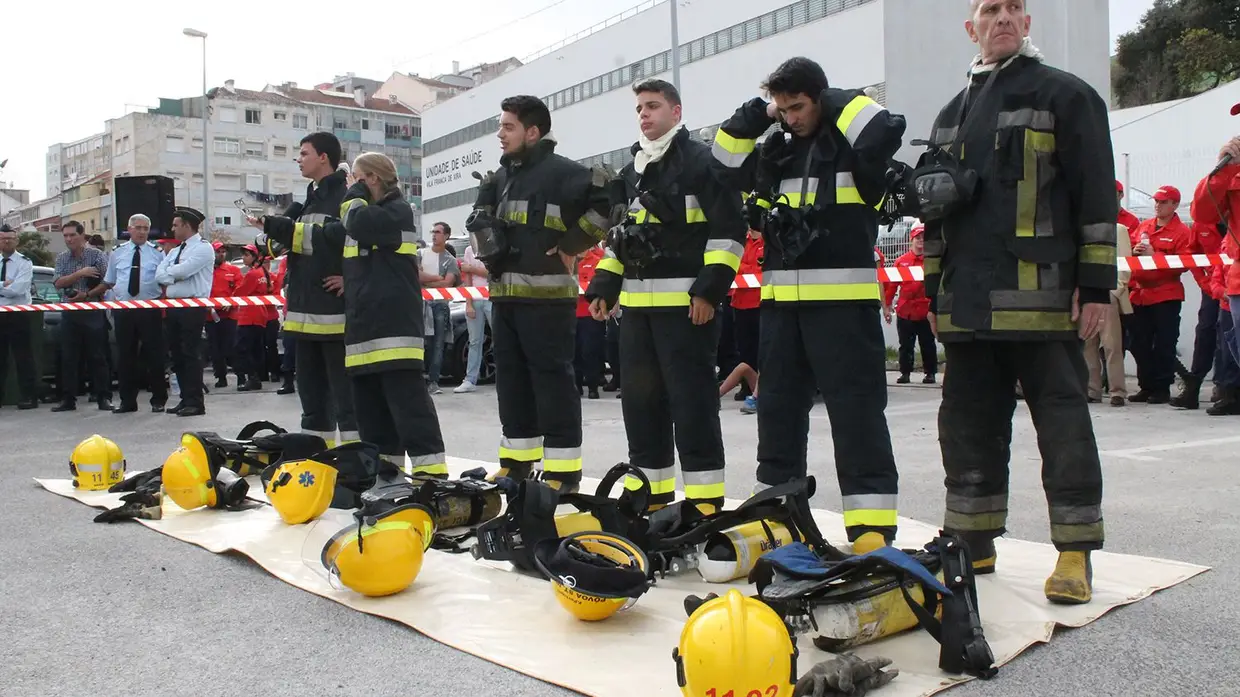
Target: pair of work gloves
[[845, 675], [141, 501]]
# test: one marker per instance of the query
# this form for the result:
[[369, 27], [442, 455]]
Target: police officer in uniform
[[670, 265], [818, 183], [186, 273], [140, 339], [531, 219], [315, 304], [1018, 274]]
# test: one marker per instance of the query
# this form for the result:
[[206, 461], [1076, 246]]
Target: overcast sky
[[65, 71]]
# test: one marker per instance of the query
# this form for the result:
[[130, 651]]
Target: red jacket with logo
[[1164, 285], [257, 281], [913, 305], [224, 283], [1128, 220], [1222, 189], [751, 263], [585, 272]]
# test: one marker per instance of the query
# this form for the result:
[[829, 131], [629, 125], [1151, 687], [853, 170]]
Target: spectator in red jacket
[[591, 335], [222, 329], [1206, 240], [1157, 298], [912, 324], [1217, 201], [289, 360], [747, 308], [1126, 218], [252, 320]]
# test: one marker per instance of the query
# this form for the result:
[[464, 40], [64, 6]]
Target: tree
[[33, 245], [1181, 48]]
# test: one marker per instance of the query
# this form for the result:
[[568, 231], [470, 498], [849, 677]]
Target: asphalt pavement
[[92, 609]]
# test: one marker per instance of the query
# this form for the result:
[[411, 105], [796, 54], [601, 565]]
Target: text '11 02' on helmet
[[594, 574], [382, 554], [192, 480], [96, 464], [735, 645]]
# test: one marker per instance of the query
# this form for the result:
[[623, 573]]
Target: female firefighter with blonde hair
[[383, 320]]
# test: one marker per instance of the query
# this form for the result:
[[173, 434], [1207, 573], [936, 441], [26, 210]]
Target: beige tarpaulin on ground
[[521, 609]]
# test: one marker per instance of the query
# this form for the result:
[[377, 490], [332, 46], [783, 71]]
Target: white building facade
[[916, 53], [70, 164]]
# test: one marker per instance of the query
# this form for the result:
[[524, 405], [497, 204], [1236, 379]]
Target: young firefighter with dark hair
[[670, 264], [531, 219], [1019, 271], [314, 292], [817, 184]]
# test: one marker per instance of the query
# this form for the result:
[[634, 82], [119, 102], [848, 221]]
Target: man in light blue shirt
[[16, 274], [186, 273], [139, 333]]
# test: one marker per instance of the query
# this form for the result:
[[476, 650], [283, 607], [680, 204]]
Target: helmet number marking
[[772, 691]]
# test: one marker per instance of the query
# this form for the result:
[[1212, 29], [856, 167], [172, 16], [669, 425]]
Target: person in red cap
[[252, 320], [912, 323], [1126, 217], [1157, 297], [222, 323], [1217, 203]]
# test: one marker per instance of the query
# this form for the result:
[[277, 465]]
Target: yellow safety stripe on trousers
[[435, 463], [662, 480], [561, 460], [610, 263], [521, 449], [393, 348], [706, 484], [1028, 224], [307, 323], [1017, 321], [655, 292], [821, 284], [871, 510], [730, 151], [303, 236], [856, 116], [542, 287], [725, 252]]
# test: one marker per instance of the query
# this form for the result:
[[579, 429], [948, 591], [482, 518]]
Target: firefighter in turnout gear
[[383, 350], [315, 305], [531, 219], [817, 185], [670, 264], [1019, 271]]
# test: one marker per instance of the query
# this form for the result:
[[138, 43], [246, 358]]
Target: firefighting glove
[[131, 511], [488, 190], [138, 480], [845, 675], [358, 190]]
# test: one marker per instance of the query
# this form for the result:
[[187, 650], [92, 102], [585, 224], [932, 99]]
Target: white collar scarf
[[654, 150], [1027, 49]]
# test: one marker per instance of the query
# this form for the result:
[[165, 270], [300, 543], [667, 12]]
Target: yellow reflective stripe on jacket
[[707, 484], [1037, 147], [872, 510], [308, 323], [731, 151], [521, 449], [593, 224], [725, 252], [408, 246], [693, 210], [561, 460], [610, 263], [303, 238], [544, 287], [655, 292], [554, 220], [855, 116], [789, 191], [393, 348], [347, 208], [821, 284], [514, 212]]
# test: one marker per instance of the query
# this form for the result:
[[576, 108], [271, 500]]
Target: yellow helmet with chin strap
[[301, 490], [192, 481], [594, 575], [735, 645], [96, 464], [381, 555]]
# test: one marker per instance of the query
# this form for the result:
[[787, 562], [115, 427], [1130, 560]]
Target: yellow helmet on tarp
[[735, 644], [301, 490], [594, 574], [381, 555], [96, 464], [192, 481]]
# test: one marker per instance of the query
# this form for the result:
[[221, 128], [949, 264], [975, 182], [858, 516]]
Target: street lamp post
[[675, 45], [206, 196]]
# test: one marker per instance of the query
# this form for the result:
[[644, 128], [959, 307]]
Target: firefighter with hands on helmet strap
[[531, 218], [1016, 190], [817, 183], [670, 264], [315, 305]]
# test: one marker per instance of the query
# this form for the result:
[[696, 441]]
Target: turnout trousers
[[539, 408], [975, 436], [326, 392], [837, 348], [669, 395], [395, 412]]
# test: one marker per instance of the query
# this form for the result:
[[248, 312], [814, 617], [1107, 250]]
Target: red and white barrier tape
[[888, 274]]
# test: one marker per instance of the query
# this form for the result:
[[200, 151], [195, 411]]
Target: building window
[[196, 143], [253, 116], [660, 62], [279, 116], [227, 146], [223, 220], [301, 121], [174, 144], [227, 182], [279, 151], [254, 148], [254, 182], [228, 114]]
